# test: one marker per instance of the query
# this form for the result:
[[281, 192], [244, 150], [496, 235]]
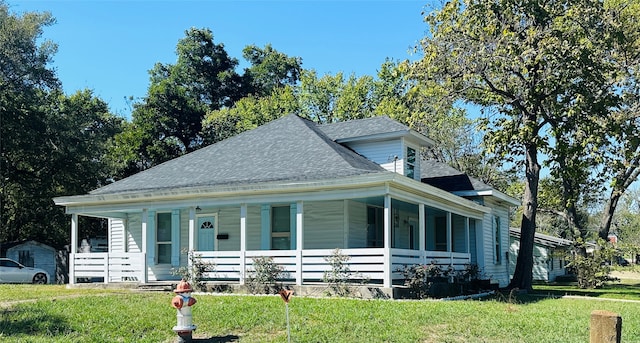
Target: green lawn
[[103, 316]]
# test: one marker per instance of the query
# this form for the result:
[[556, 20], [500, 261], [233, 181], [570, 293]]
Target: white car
[[14, 272]]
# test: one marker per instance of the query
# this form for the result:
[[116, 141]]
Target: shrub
[[419, 278], [340, 275], [592, 271], [194, 274], [264, 277]]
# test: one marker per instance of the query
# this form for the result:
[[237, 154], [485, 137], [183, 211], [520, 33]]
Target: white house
[[548, 255], [295, 190]]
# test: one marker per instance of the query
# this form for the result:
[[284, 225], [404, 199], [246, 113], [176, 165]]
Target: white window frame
[[158, 242], [280, 234], [413, 166], [497, 240]]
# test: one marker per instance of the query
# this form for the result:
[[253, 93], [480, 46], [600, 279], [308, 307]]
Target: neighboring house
[[31, 254], [295, 191], [548, 255]]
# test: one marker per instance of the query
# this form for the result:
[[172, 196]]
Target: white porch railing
[[232, 266], [112, 267], [366, 263]]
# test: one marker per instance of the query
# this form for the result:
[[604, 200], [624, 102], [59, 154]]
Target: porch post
[[145, 218], [422, 234], [387, 242], [175, 238], [192, 229], [449, 237], [467, 236], [243, 242], [73, 249], [299, 241], [151, 238], [422, 228]]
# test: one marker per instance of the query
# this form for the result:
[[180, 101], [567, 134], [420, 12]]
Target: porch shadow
[[31, 323], [218, 339]]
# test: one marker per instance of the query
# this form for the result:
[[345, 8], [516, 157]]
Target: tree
[[626, 224], [332, 98], [203, 83], [24, 83], [80, 130], [534, 66], [248, 113], [168, 122], [270, 70], [622, 159]]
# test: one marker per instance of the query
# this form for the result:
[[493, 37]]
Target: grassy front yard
[[63, 315]]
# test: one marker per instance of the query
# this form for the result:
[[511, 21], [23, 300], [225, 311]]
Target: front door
[[207, 232]]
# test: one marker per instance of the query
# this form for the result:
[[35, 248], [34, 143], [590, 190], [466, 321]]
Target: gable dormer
[[390, 144]]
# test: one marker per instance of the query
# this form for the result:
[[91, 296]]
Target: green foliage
[[195, 271], [270, 70], [263, 279], [248, 113], [51, 144], [593, 270], [419, 278], [340, 277], [544, 73]]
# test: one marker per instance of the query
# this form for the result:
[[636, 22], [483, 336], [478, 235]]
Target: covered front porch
[[381, 229]]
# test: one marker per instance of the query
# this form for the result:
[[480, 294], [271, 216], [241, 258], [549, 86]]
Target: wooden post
[[606, 327]]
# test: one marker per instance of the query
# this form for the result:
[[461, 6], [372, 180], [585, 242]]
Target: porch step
[[157, 286]]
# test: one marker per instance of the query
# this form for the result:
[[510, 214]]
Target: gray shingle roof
[[447, 178], [363, 128], [286, 149], [542, 239]]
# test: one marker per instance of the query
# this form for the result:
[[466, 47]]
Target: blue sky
[[109, 46]]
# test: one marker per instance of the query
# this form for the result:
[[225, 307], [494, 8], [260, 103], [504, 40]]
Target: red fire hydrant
[[183, 302]]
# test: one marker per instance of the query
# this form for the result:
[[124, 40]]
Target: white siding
[[497, 272], [117, 235], [357, 224], [134, 232], [253, 227], [542, 260], [382, 153], [229, 223], [324, 225], [540, 267]]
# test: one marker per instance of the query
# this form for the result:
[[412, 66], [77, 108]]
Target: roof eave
[[352, 182], [416, 136], [489, 192]]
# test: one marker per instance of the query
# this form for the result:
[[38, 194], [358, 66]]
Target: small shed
[[32, 254], [548, 255]]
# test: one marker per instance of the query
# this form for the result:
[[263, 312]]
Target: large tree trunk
[[623, 181], [607, 215], [523, 274]]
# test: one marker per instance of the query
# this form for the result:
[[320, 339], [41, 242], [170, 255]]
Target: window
[[497, 239], [281, 228], [163, 238], [410, 168]]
